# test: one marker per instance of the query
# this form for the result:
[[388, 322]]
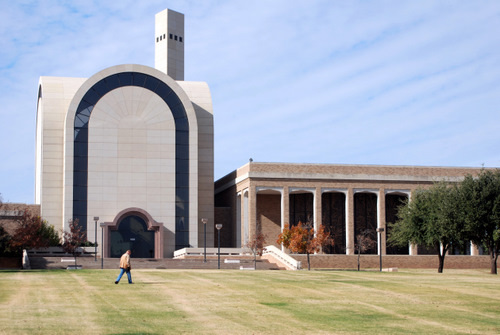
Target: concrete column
[[244, 218], [317, 213], [317, 210], [239, 235], [381, 221], [413, 249], [474, 250], [252, 211], [285, 210], [285, 201], [105, 239], [349, 229]]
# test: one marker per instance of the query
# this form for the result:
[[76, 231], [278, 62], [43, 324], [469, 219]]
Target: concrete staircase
[[243, 262]]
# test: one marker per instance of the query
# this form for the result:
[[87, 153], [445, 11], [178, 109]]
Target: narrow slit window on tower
[[160, 38], [180, 39], [163, 36], [175, 37], [171, 36], [157, 39]]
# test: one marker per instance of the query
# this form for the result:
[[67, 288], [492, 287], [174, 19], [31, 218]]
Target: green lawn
[[249, 302]]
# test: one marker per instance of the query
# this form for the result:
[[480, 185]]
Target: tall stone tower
[[169, 47]]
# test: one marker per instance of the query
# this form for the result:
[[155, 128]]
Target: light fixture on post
[[219, 227], [380, 231], [96, 218], [102, 244], [205, 221]]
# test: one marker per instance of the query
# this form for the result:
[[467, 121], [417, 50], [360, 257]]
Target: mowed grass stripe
[[138, 308], [217, 302], [449, 297], [40, 300], [249, 302], [440, 297]]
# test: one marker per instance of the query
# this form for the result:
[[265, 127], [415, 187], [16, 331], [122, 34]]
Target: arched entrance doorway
[[133, 229], [132, 234]]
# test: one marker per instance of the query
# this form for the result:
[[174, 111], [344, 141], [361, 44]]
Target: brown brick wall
[[223, 215], [404, 176], [393, 261], [10, 222], [284, 168], [269, 216]]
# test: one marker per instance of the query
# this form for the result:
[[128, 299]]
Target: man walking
[[125, 267]]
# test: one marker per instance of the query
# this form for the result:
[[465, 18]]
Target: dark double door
[[133, 234]]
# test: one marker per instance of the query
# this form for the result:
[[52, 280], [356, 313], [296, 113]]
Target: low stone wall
[[393, 261], [58, 251], [10, 262]]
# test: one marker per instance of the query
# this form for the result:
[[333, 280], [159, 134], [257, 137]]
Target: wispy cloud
[[362, 82]]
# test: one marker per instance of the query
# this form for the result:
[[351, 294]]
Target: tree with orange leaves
[[303, 239]]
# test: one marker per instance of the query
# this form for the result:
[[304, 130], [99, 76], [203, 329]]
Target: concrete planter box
[[74, 267], [58, 251]]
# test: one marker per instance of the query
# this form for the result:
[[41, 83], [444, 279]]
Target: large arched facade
[[128, 133], [130, 137], [131, 133], [131, 141]]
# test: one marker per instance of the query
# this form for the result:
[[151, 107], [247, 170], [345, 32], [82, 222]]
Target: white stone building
[[131, 147]]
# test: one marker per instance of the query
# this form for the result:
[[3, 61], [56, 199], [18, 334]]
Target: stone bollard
[[26, 260]]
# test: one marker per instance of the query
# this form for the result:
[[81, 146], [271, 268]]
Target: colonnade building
[[347, 199]]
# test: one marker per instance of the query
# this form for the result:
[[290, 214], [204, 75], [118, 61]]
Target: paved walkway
[[233, 262]]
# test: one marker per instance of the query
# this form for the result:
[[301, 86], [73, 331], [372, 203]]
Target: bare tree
[[256, 244], [73, 239], [364, 242]]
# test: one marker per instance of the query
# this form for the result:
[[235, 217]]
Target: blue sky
[[341, 82]]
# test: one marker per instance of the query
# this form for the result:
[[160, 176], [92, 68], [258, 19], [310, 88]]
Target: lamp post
[[219, 227], [205, 221], [96, 218], [102, 245], [380, 231]]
